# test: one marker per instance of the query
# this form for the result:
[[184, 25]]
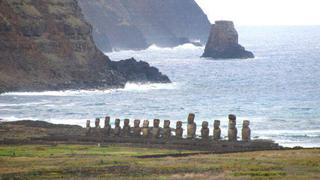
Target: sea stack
[[223, 42]]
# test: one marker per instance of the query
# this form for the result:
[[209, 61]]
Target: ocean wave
[[128, 87], [21, 104], [187, 46], [149, 86], [55, 93], [155, 48], [314, 133]]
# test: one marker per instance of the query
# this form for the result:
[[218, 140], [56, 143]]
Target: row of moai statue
[[166, 131]]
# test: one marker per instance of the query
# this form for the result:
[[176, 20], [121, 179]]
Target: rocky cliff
[[223, 42], [48, 45], [136, 24]]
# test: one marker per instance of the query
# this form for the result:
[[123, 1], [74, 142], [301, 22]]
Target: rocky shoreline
[[49, 46]]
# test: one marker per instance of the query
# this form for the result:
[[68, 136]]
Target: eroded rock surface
[[223, 42], [47, 45], [136, 24]]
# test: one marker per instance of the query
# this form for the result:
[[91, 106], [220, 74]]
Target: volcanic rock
[[47, 45], [137, 24], [223, 42]]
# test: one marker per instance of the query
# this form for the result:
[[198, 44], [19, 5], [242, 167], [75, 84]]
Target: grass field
[[116, 162]]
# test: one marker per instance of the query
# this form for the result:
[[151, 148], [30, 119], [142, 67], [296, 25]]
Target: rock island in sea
[[223, 42]]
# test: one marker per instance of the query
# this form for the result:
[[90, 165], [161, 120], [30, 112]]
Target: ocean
[[278, 91]]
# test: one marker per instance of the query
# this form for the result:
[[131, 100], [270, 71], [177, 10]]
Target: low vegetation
[[115, 161]]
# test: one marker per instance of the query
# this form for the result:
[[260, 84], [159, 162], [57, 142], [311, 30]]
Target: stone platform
[[141, 136]]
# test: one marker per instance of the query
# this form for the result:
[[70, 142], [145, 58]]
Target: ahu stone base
[[223, 146]]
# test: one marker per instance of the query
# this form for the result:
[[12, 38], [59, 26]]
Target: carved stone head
[[179, 125], [216, 124], [97, 122], [107, 120], [145, 123], [126, 122], [191, 118], [156, 123], [166, 124], [246, 124], [232, 117], [136, 123], [205, 125], [117, 122]]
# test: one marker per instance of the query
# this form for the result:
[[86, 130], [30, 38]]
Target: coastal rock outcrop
[[223, 42], [47, 45], [137, 24], [140, 71]]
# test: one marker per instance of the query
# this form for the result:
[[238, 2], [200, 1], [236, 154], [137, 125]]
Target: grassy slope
[[66, 161]]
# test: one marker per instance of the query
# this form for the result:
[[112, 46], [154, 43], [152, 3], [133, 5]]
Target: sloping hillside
[[48, 45], [136, 24]]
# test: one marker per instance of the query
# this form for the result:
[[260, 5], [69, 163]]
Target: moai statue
[[88, 124], [192, 127], [216, 130], [166, 129], [117, 128], [97, 122], [232, 131], [126, 128], [155, 129], [136, 128], [179, 130], [145, 129], [107, 125], [205, 130], [246, 131]]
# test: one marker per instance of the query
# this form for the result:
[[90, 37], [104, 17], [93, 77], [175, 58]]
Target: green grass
[[114, 161]]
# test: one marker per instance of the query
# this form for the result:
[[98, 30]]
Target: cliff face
[[48, 45], [136, 24], [223, 42]]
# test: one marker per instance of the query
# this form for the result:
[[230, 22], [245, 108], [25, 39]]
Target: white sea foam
[[20, 104], [115, 55], [148, 87], [290, 133], [128, 87], [61, 93], [188, 46]]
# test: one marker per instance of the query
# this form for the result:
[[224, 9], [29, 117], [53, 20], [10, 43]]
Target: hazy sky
[[263, 12]]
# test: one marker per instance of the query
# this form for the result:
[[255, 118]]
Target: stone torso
[[246, 131], [232, 131], [117, 131], [117, 128], [217, 134], [145, 129], [136, 128], [192, 130], [107, 129], [192, 127], [216, 130], [205, 130], [156, 129], [166, 130], [179, 130]]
